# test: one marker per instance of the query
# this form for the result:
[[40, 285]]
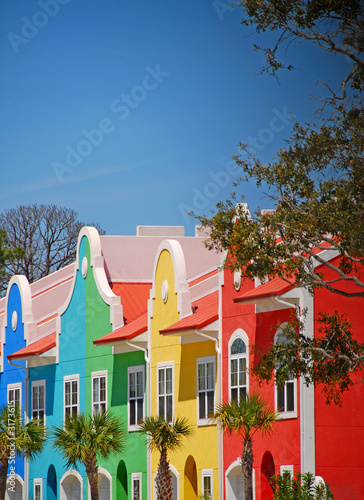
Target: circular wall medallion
[[237, 279], [14, 320], [84, 267], [164, 291]]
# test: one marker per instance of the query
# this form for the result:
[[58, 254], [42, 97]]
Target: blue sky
[[130, 112]]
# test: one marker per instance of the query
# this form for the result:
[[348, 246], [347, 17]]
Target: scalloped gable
[[184, 302], [23, 286], [102, 284]]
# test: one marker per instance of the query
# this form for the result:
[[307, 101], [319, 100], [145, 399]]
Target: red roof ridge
[[272, 288], [205, 311], [39, 346]]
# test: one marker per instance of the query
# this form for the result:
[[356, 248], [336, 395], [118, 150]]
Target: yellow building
[[185, 360]]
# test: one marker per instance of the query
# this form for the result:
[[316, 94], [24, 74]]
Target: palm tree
[[84, 438], [164, 436], [246, 417], [17, 439]]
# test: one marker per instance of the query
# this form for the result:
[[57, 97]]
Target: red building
[[311, 436]]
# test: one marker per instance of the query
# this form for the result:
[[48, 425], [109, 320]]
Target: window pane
[[74, 392], [290, 396], [238, 347], [201, 402], [136, 489], [242, 371], [207, 485], [161, 381], [201, 377], [233, 371], [242, 392], [41, 396], [139, 384], [17, 397], [96, 390], [35, 398], [169, 381], [140, 410], [280, 398], [210, 375], [210, 403], [67, 391], [234, 394], [161, 407], [132, 412], [132, 385], [169, 408]]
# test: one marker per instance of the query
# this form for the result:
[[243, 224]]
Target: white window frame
[[292, 413], [207, 473], [288, 468], [38, 482], [39, 383], [243, 336], [98, 375], [14, 387], [136, 476], [71, 378], [165, 366], [135, 369], [204, 361]]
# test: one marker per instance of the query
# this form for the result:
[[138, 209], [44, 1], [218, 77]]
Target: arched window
[[14, 488], [238, 359], [285, 395], [175, 483], [71, 486]]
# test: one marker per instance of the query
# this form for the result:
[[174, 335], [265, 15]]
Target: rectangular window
[[207, 484], [99, 392], [286, 399], [135, 395], [165, 392], [14, 394], [205, 388], [238, 378], [38, 489], [136, 486], [71, 395], [38, 399]]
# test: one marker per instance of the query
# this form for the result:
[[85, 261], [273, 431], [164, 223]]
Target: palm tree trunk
[[247, 459], [91, 471], [3, 476], [163, 479]]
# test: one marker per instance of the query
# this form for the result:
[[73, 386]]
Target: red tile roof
[[134, 298], [36, 348], [206, 310], [273, 288], [126, 332]]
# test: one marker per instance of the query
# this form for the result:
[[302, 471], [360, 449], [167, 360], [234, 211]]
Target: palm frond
[[246, 416], [165, 435]]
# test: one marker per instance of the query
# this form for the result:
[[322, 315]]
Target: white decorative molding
[[165, 291], [14, 320], [97, 263], [84, 267], [184, 304]]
